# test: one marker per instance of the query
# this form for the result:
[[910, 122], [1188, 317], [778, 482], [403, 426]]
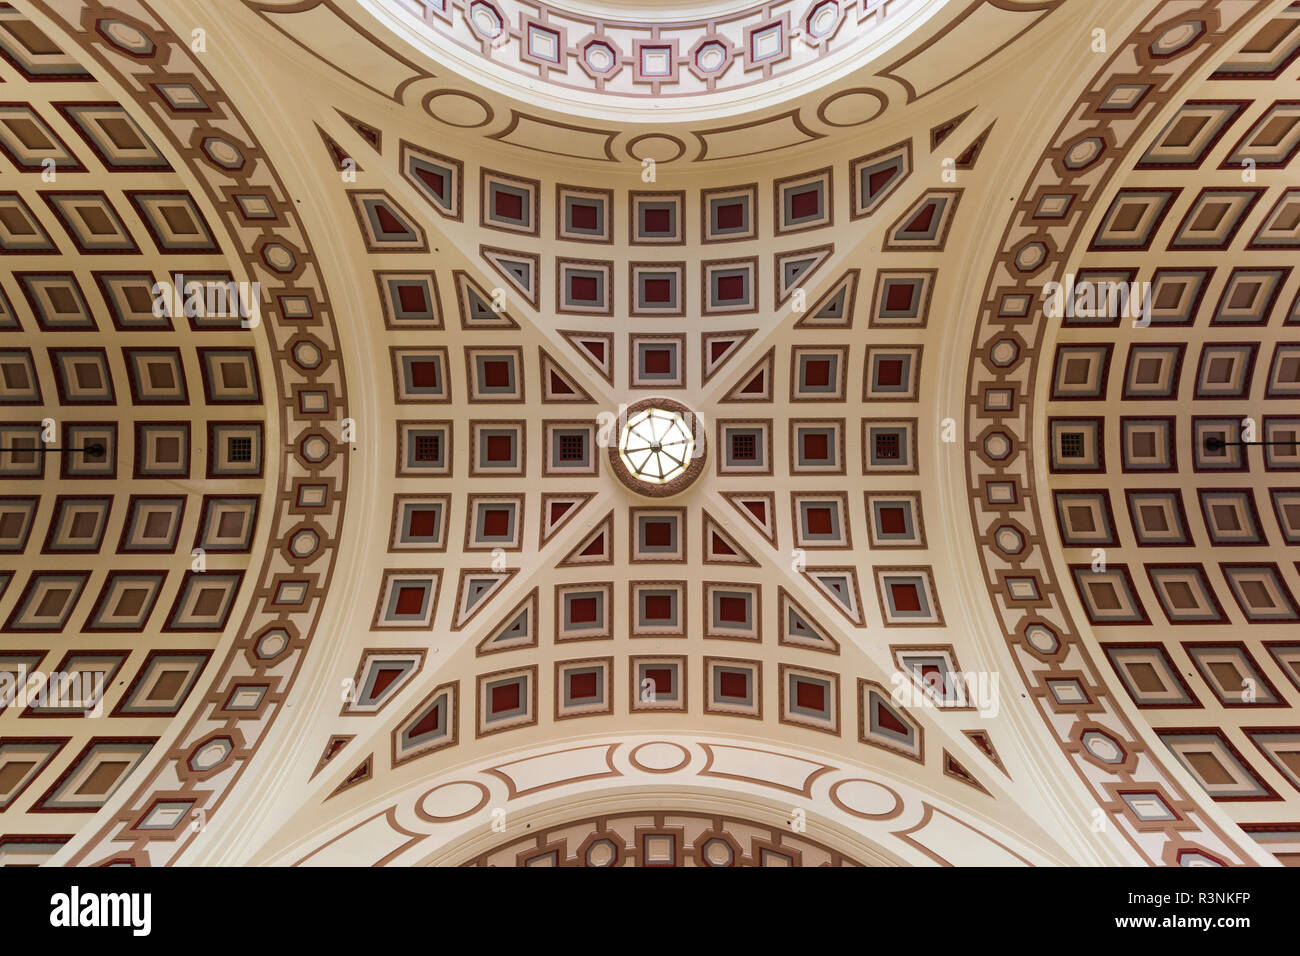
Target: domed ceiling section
[[168, 504], [713, 54], [1148, 582], [696, 454], [134, 444], [1171, 432]]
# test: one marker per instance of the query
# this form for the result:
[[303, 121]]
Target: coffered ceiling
[[897, 565]]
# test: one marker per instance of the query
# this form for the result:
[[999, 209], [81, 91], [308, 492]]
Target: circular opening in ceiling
[[660, 448], [656, 445]]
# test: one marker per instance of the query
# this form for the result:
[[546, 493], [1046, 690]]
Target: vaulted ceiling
[[951, 577]]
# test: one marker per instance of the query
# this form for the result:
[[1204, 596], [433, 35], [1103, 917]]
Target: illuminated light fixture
[[656, 445]]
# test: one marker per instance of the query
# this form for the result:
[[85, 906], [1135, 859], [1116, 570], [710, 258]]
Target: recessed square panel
[[22, 760], [126, 601], [1260, 591], [1284, 371], [174, 221], [1282, 443], [409, 300], [234, 449], [156, 375], [162, 449], [96, 454], [1084, 519], [1214, 444], [19, 383], [82, 376], [78, 523], [1249, 295], [28, 142], [162, 683], [656, 218], [227, 523], [733, 611], [571, 448], [510, 203], [497, 448], [889, 446], [1076, 444], [408, 599], [810, 698], [821, 520], [1286, 508], [733, 687], [1176, 295], [1108, 596], [57, 301], [585, 214], [118, 142], [424, 448], [1280, 228], [658, 608], [817, 446], [1272, 142], [729, 286], [894, 519], [152, 525], [1214, 217], [657, 288], [728, 213], [892, 374], [907, 597], [1215, 764], [420, 375], [744, 447], [654, 61], [204, 601], [901, 299], [24, 461], [658, 534], [506, 699], [1081, 372], [1232, 674], [804, 202], [1224, 370], [658, 683], [91, 222], [1191, 133], [1158, 518], [1149, 675], [17, 514], [47, 601], [584, 612], [495, 375], [495, 521], [1184, 593], [658, 361], [584, 287], [21, 232], [1152, 372], [230, 376], [1147, 444], [1133, 219], [419, 523], [95, 775], [1230, 516], [818, 374], [583, 687]]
